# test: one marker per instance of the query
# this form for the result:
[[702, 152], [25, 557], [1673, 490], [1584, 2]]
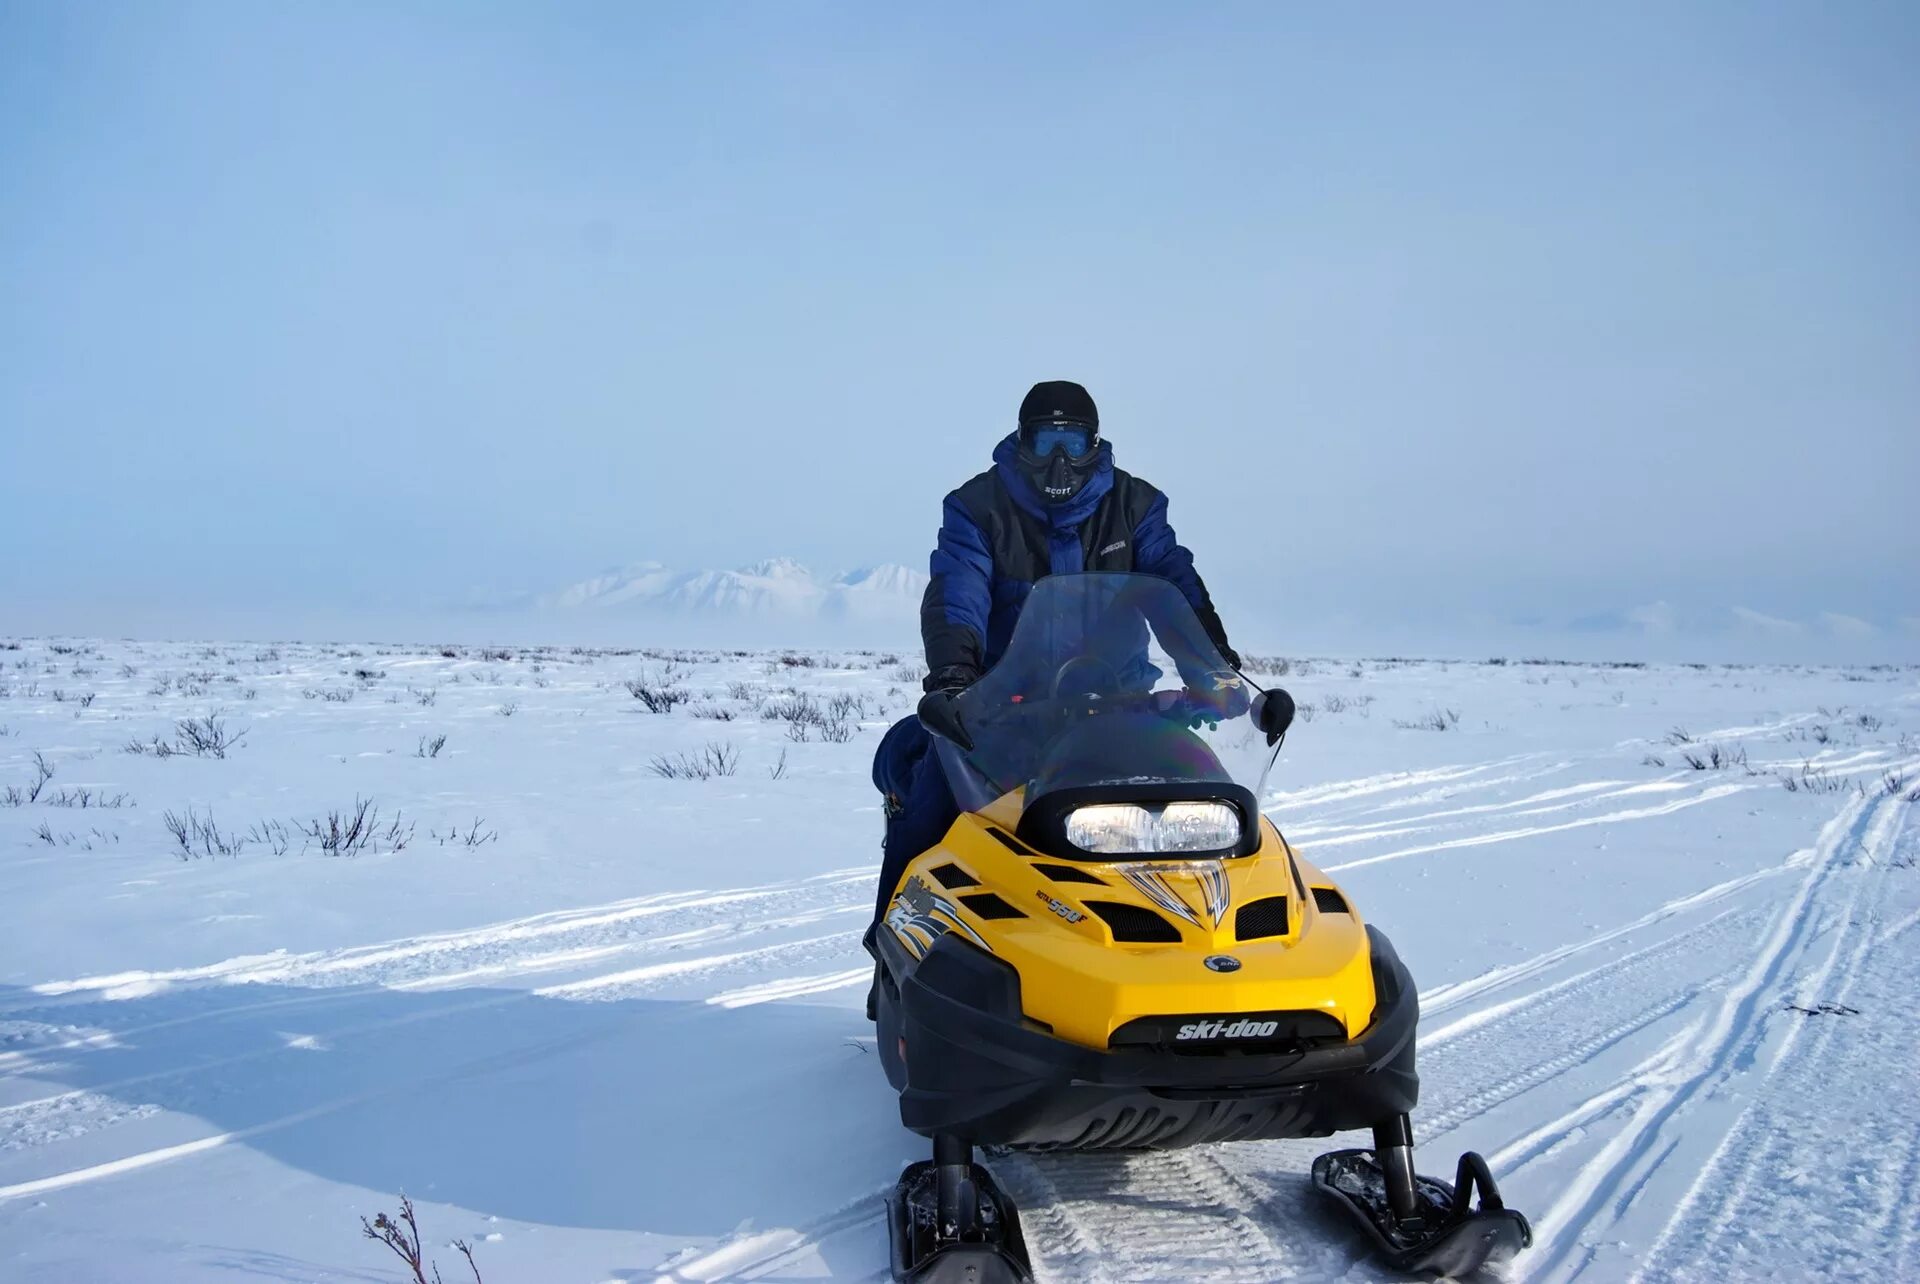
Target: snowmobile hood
[[1063, 516], [1173, 950]]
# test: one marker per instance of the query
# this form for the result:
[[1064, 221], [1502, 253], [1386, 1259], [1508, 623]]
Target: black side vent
[[1134, 924], [1070, 874], [951, 876], [987, 905], [1264, 917], [1011, 843], [1329, 901]]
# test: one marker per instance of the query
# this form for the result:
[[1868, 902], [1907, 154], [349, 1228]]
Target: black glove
[[940, 715], [953, 679], [1230, 655]]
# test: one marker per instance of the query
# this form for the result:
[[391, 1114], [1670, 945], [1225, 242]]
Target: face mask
[[1060, 458]]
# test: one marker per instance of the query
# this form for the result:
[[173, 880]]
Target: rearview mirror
[[1273, 713]]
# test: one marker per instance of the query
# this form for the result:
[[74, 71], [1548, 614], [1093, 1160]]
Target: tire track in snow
[[630, 981], [1542, 804], [757, 1255], [1387, 782], [1708, 1053], [570, 938], [1732, 1191], [1444, 997], [1518, 1074], [1906, 1236], [1510, 835], [1721, 929], [1445, 794], [76, 1112], [66, 1115], [201, 1145], [791, 987], [396, 960]]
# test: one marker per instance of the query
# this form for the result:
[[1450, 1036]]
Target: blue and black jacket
[[998, 536]]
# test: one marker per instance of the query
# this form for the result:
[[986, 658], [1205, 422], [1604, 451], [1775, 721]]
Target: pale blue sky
[[1418, 312]]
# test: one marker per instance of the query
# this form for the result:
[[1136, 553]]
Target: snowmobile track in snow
[[1705, 1057], [1158, 1215], [673, 925], [1730, 1211]]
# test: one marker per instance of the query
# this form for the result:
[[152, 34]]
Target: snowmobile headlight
[[1198, 827], [1128, 829], [1112, 828]]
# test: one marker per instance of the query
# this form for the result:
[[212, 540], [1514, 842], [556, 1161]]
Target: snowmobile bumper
[[954, 1042]]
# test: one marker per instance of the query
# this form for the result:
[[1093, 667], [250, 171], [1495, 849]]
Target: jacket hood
[[1006, 462]]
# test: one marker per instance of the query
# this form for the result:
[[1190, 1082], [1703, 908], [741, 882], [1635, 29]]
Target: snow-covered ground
[[606, 1024]]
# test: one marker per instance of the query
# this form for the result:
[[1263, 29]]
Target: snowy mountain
[[643, 582], [776, 591]]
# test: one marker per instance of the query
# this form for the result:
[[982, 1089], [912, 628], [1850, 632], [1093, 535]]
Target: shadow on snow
[[671, 1117]]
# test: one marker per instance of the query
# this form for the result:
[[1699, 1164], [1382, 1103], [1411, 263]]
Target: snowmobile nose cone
[[1223, 963]]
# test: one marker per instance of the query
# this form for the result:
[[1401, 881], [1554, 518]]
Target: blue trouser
[[909, 774]]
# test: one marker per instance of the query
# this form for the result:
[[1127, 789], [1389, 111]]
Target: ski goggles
[[1074, 440]]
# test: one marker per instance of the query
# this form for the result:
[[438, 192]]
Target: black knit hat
[[1058, 399]]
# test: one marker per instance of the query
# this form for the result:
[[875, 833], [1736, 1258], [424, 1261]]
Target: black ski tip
[[995, 1253], [1449, 1238]]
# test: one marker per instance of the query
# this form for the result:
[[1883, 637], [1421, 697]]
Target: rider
[[1052, 504]]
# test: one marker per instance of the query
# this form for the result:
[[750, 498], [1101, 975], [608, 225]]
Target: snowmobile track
[[1153, 1215]]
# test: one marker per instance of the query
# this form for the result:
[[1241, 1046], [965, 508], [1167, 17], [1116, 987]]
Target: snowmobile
[[1113, 947]]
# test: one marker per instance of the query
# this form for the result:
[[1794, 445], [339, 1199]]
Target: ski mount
[[1419, 1224], [948, 1222]]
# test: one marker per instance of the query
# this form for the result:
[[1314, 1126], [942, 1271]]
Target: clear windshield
[[1110, 680]]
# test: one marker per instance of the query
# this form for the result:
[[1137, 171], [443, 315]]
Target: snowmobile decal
[[1151, 884], [1242, 1029], [1219, 892], [1061, 908], [912, 916], [1149, 879]]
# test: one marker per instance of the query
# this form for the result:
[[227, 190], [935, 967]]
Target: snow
[[606, 1025]]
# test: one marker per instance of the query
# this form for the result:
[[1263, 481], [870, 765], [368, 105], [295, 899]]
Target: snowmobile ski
[[1445, 1234], [949, 1223]]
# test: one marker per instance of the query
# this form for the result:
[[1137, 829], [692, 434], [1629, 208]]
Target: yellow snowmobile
[[1112, 947]]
